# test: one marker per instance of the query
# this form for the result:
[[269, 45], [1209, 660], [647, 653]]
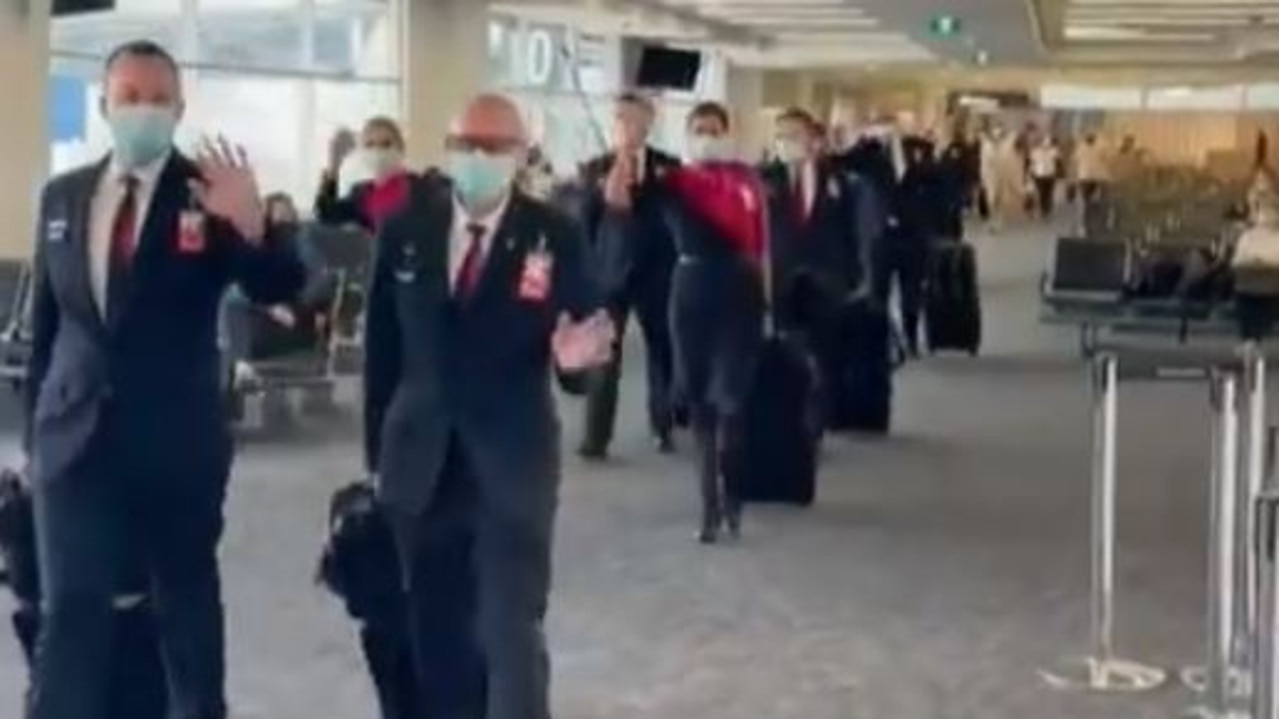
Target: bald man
[[477, 289]]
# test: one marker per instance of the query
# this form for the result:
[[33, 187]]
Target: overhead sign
[[944, 25]]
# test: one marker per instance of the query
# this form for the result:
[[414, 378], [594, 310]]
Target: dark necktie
[[124, 240], [468, 275]]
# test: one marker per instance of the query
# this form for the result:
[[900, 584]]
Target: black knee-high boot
[[708, 471], [731, 436]]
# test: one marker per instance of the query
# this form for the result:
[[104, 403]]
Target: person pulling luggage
[[812, 227], [716, 212], [816, 248], [917, 205]]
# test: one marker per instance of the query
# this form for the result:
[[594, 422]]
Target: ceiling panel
[[1189, 31], [798, 33]]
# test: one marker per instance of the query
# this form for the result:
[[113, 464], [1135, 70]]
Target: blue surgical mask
[[707, 148], [480, 178], [140, 134]]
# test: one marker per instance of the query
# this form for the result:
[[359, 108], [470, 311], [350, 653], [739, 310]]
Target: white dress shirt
[[102, 212], [804, 178], [1043, 161], [460, 236]]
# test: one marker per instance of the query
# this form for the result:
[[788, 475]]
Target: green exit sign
[[944, 25]]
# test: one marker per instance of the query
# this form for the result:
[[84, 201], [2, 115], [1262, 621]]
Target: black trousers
[[905, 264], [436, 550], [93, 528], [649, 301], [1046, 190]]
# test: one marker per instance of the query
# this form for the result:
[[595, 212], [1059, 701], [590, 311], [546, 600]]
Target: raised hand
[[340, 148], [582, 345], [227, 188]]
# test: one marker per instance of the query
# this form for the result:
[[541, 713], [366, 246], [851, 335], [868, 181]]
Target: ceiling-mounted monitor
[[61, 8], [657, 67]]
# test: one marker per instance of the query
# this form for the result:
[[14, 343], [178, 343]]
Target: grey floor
[[940, 569]]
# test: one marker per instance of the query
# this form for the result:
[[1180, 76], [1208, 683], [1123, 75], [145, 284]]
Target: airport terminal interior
[[1009, 549]]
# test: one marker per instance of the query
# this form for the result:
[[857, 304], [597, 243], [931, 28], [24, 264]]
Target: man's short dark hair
[[632, 97], [801, 116], [709, 109], [142, 48]]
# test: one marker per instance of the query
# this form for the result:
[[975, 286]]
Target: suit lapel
[[81, 234]]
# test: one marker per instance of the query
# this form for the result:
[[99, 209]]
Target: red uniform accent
[[730, 198], [386, 196]]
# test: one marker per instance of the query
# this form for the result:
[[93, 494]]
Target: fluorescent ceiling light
[[1099, 33]]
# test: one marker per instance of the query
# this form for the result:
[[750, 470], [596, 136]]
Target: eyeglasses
[[486, 144]]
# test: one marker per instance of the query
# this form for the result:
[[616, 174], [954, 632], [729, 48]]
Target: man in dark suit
[[918, 205], [475, 292], [635, 267], [129, 453], [816, 249]]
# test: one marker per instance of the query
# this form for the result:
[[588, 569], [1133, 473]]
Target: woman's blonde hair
[[387, 125]]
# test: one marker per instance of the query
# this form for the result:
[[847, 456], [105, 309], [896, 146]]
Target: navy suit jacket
[[630, 246], [476, 369], [152, 369]]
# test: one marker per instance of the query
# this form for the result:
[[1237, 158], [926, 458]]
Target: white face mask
[[791, 151], [381, 162], [705, 148]]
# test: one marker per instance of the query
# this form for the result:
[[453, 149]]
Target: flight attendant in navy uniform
[[714, 208], [476, 295], [130, 452], [635, 271], [814, 229]]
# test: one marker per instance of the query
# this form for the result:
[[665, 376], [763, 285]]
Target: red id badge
[[535, 279], [191, 240]]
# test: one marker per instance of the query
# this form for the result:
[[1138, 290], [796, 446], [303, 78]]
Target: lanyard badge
[[535, 279]]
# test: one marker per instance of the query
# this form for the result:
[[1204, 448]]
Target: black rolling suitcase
[[860, 390], [361, 565], [952, 307], [776, 461], [137, 682]]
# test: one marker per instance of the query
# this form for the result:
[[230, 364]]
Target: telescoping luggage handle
[[766, 261]]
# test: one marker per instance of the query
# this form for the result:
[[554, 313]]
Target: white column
[[24, 142], [744, 95], [445, 51]]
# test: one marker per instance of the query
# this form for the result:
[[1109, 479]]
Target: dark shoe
[[592, 454], [709, 534], [711, 521], [665, 442], [733, 518]]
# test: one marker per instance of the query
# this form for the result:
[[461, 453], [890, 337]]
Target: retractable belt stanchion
[[1257, 453], [1265, 702], [1102, 670], [1219, 674]]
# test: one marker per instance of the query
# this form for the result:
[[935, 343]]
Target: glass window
[[1227, 97], [269, 41], [1262, 96], [1090, 97]]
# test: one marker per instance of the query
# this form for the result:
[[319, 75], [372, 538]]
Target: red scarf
[[728, 197], [384, 197]]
